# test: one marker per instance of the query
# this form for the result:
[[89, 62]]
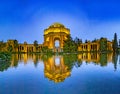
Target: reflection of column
[[89, 57], [25, 58], [79, 56], [14, 59], [109, 57]]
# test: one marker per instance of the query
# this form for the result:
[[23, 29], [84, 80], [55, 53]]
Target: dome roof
[[55, 28], [57, 25]]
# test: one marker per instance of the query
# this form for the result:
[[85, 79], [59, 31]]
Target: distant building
[[97, 45], [57, 32]]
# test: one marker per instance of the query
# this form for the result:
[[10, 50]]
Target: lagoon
[[86, 73]]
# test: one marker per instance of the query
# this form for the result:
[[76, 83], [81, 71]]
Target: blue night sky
[[25, 20]]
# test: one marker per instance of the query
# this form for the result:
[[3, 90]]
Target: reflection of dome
[[56, 27], [57, 73], [57, 76]]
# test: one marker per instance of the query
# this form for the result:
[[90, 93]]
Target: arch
[[57, 61], [57, 43], [55, 33]]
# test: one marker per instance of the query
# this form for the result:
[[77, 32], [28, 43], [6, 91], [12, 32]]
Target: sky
[[25, 20]]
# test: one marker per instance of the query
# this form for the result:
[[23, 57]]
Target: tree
[[10, 48], [15, 45], [86, 41], [119, 43], [45, 49], [103, 44], [94, 40], [77, 41], [69, 45], [2, 45], [115, 43], [36, 44]]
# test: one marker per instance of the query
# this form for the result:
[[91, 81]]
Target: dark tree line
[[115, 43], [71, 45]]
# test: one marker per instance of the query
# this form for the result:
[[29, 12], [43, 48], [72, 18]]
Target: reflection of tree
[[103, 59], [114, 60], [78, 63], [71, 60], [45, 57], [119, 58], [36, 59], [15, 60], [4, 65]]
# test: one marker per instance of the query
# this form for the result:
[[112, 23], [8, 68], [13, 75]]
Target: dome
[[57, 25], [55, 28]]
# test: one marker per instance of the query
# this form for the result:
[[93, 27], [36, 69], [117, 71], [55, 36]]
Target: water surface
[[61, 74]]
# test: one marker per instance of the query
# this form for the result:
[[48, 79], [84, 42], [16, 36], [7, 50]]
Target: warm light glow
[[56, 27]]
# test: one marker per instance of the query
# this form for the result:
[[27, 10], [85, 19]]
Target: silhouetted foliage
[[94, 40], [15, 43], [5, 56], [4, 60], [86, 41], [114, 60], [4, 65], [69, 45], [71, 60], [46, 50], [2, 45], [115, 43], [9, 48], [103, 59], [36, 44], [119, 43], [103, 44]]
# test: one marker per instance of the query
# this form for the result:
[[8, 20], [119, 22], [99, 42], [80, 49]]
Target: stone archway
[[55, 32], [57, 45]]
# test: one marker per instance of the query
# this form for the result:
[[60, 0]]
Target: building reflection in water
[[58, 68], [55, 69], [97, 58]]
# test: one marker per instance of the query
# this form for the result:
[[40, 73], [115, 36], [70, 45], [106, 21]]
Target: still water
[[61, 74]]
